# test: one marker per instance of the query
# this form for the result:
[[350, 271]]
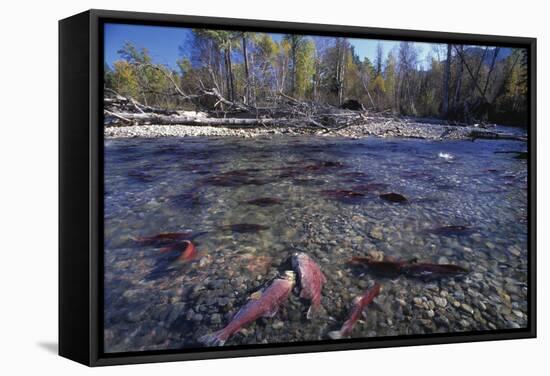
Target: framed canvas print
[[239, 187]]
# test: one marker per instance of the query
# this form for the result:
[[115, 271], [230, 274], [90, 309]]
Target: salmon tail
[[312, 311], [337, 334], [358, 260], [214, 339]]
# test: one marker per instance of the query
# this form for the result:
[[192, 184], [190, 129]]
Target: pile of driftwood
[[286, 112]]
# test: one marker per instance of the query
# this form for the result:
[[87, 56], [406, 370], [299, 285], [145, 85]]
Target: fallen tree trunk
[[159, 119], [129, 118], [120, 110], [495, 136]]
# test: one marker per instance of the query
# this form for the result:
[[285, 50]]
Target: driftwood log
[[159, 119], [121, 110], [488, 135]]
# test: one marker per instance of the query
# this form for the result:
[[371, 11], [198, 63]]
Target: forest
[[254, 73]]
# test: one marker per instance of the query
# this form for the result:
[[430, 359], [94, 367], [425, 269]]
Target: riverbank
[[378, 127]]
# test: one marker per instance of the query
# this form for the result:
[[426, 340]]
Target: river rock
[[517, 313], [216, 318], [376, 233], [466, 308]]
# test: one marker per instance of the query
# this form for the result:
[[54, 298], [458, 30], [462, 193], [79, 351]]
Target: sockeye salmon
[[358, 308], [266, 305], [412, 268], [312, 280]]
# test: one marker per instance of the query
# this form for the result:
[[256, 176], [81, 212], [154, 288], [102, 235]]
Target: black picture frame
[[81, 186]]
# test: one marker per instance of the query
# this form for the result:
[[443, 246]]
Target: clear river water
[[251, 203]]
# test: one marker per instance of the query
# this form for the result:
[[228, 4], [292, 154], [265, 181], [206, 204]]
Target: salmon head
[[297, 258]]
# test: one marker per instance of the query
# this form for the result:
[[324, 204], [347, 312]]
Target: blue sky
[[163, 43]]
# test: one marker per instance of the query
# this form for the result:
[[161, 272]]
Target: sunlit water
[[176, 184]]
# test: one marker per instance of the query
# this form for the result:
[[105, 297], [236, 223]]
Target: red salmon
[[163, 237], [312, 280], [266, 305], [189, 252], [411, 268], [186, 248], [367, 298]]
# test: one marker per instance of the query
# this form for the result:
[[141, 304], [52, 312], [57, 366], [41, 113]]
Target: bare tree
[[378, 60], [446, 83]]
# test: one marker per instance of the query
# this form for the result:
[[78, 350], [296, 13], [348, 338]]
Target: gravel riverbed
[[379, 128]]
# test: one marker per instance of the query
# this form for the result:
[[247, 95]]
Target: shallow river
[[206, 185]]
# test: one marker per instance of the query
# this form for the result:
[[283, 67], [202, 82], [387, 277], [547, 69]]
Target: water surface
[[207, 184]]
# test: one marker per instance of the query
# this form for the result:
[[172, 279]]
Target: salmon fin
[[271, 313], [311, 312], [337, 334], [187, 259], [192, 237], [213, 339]]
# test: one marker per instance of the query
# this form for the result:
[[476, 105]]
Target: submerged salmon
[[245, 228], [386, 266], [266, 305], [184, 250], [428, 270], [168, 238], [451, 230], [312, 280], [410, 268], [169, 257], [358, 308], [264, 201], [164, 237], [189, 252]]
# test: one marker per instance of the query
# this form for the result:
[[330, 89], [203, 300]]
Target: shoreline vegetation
[[231, 83], [126, 118]]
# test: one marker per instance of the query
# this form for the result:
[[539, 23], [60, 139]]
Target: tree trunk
[[458, 81], [246, 73], [252, 83], [476, 74], [293, 48], [229, 69], [340, 71], [446, 81], [342, 75], [316, 79], [491, 68], [227, 78], [158, 119], [472, 76]]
